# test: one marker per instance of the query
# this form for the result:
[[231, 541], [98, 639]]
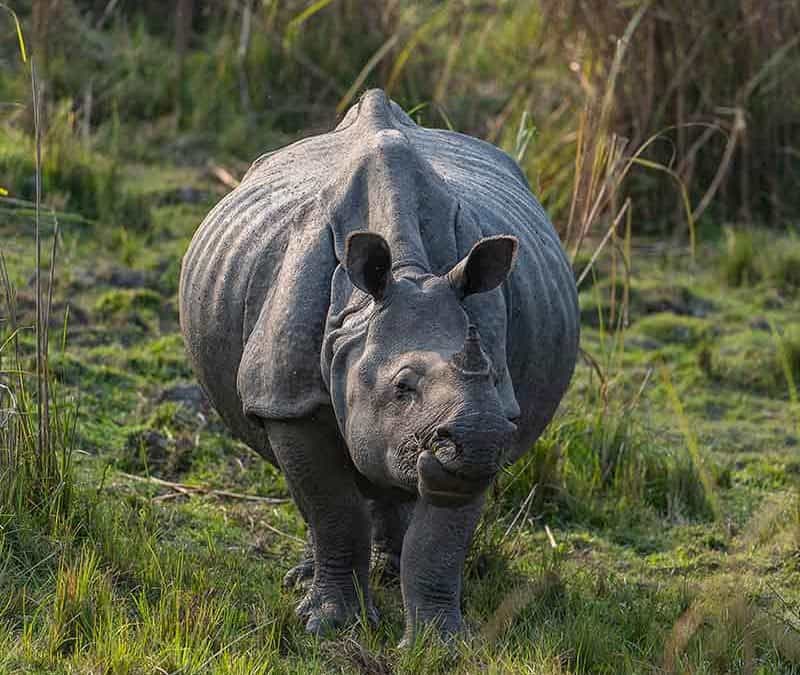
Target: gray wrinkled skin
[[385, 313]]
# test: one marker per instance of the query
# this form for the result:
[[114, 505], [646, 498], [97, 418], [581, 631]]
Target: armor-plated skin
[[384, 312]]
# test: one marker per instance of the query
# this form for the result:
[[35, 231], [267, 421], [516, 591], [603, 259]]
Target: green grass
[[139, 577], [751, 257], [76, 179]]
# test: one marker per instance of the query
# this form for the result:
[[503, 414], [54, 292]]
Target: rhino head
[[420, 404]]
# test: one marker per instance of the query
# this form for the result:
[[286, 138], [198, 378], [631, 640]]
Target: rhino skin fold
[[386, 314]]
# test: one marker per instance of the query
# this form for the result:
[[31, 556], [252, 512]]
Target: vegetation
[[656, 525]]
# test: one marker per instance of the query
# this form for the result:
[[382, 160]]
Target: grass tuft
[[753, 256]]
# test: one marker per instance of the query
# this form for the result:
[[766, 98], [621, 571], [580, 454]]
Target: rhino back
[[255, 284]]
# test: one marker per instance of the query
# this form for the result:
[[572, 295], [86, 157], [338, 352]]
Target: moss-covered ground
[[655, 527]]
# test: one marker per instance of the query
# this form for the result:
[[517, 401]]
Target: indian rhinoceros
[[386, 314]]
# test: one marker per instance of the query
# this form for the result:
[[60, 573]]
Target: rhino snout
[[464, 456], [471, 445]]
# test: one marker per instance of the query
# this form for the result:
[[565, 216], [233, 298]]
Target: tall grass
[[590, 466], [722, 75], [37, 428], [716, 84]]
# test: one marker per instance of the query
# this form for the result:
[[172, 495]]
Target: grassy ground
[[656, 526]]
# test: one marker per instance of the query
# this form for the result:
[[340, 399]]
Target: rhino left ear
[[368, 262], [485, 267]]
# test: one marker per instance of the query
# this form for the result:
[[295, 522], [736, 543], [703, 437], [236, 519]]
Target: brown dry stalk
[[187, 490], [516, 601], [223, 176], [683, 630], [739, 612]]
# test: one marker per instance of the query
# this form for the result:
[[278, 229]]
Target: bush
[[757, 361], [75, 178], [596, 469], [754, 256], [739, 262]]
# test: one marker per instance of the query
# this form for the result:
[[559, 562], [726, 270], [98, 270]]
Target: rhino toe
[[323, 615], [300, 575]]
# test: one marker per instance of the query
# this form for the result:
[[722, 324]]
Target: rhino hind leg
[[389, 524], [302, 574], [322, 482], [390, 520]]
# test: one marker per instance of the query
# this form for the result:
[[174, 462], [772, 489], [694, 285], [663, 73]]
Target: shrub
[[757, 361], [595, 468], [670, 328], [738, 263], [75, 178], [784, 268], [751, 257], [82, 605]]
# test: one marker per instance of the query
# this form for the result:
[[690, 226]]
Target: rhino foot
[[325, 610], [301, 575], [448, 628]]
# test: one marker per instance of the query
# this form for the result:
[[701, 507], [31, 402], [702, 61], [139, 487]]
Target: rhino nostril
[[444, 446]]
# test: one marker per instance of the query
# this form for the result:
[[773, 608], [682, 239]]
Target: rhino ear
[[485, 267], [368, 262]]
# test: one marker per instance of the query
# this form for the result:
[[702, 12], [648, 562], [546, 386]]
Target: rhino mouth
[[443, 478]]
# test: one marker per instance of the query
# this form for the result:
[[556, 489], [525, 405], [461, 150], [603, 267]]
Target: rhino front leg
[[432, 564], [321, 480]]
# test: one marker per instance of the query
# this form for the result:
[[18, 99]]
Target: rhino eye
[[403, 390], [405, 384]]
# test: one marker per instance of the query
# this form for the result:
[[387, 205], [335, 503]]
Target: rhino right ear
[[368, 262], [485, 267]]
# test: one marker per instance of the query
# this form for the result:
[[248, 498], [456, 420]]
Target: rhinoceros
[[386, 314]]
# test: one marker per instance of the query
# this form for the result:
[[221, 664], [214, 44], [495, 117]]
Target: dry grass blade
[[682, 632], [599, 249], [223, 176], [184, 489], [738, 130], [41, 432], [417, 36], [293, 26], [374, 60], [514, 603], [20, 40]]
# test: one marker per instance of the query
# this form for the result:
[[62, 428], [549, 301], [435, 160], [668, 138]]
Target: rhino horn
[[471, 360]]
